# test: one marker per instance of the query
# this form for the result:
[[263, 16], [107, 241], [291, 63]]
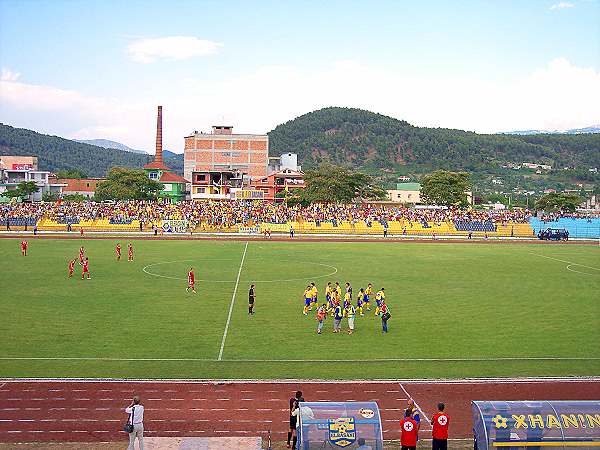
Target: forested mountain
[[369, 140], [55, 153]]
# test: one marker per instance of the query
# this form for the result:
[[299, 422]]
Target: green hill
[[55, 153], [368, 140]]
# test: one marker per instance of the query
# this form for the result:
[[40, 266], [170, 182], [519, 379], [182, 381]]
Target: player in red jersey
[[118, 251], [81, 254], [24, 247], [86, 269], [130, 252], [72, 267], [191, 281], [81, 231], [440, 422], [409, 431]]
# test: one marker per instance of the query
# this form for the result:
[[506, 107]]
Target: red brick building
[[221, 151]]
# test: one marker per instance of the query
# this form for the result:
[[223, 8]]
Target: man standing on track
[[251, 297], [136, 416], [414, 413], [440, 422], [293, 419], [408, 430], [191, 281]]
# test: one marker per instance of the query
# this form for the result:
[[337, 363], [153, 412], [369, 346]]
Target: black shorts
[[439, 444], [293, 420]]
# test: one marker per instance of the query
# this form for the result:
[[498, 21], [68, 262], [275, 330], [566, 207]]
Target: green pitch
[[457, 310]]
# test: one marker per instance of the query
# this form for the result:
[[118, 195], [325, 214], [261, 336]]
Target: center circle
[[221, 270]]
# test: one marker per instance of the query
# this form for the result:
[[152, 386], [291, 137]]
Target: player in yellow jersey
[[368, 293], [315, 294], [347, 301], [338, 289], [328, 291], [360, 301], [379, 300], [307, 300]]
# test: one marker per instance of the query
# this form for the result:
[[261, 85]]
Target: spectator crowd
[[229, 213]]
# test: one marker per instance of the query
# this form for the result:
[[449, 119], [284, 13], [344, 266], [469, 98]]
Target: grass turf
[[447, 301]]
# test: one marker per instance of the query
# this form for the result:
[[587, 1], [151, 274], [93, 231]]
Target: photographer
[[293, 419], [136, 417]]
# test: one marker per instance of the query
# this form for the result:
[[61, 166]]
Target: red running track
[[84, 411]]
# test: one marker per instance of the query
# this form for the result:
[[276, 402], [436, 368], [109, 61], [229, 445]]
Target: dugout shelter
[[334, 425], [536, 424]]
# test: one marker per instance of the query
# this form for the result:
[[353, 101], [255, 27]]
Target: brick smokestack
[[158, 156]]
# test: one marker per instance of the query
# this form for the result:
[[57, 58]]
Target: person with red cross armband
[[439, 434], [409, 431]]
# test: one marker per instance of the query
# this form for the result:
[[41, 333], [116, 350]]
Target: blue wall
[[581, 228]]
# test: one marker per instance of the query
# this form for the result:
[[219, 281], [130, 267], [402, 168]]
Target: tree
[[127, 184], [445, 188], [49, 196], [558, 201], [71, 173], [24, 190], [329, 183]]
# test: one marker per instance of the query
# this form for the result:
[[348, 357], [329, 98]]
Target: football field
[[458, 310]]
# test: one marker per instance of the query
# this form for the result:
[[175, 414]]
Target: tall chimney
[[158, 156]]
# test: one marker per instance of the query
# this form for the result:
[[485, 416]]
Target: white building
[[10, 178]]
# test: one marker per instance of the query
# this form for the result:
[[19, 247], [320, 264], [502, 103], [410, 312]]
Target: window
[[153, 176], [200, 177]]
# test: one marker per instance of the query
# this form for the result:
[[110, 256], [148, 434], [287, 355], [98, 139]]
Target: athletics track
[[92, 410]]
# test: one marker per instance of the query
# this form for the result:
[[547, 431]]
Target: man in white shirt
[[136, 416]]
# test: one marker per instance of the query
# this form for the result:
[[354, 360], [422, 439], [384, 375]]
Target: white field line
[[237, 282], [416, 404], [312, 277], [571, 263], [93, 358], [215, 381]]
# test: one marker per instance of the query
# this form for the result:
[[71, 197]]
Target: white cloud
[[172, 48], [9, 75], [556, 96], [562, 5]]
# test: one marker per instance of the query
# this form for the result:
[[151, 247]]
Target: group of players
[[339, 307], [84, 261]]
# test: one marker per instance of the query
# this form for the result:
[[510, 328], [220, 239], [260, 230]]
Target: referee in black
[[251, 297]]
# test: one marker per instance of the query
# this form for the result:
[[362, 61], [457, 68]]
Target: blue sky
[[86, 69]]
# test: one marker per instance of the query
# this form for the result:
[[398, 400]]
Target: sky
[[86, 69]]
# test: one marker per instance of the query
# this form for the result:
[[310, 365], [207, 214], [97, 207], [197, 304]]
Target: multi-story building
[[18, 169], [213, 160]]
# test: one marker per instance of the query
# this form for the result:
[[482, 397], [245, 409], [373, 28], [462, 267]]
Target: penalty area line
[[237, 282]]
